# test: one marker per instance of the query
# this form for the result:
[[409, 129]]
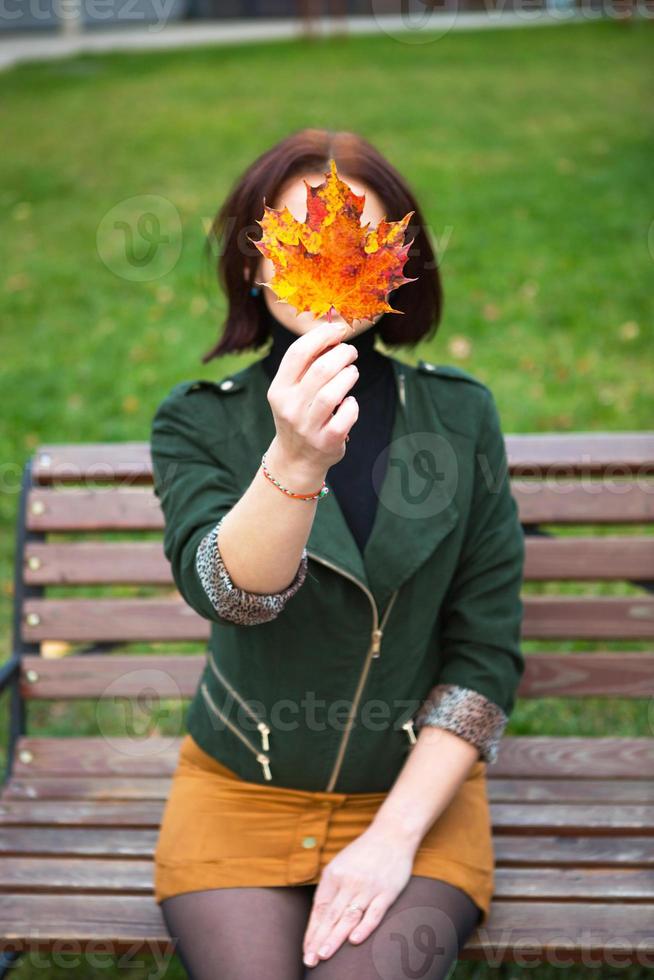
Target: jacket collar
[[415, 482]]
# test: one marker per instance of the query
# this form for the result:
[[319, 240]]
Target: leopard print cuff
[[232, 603], [466, 713]]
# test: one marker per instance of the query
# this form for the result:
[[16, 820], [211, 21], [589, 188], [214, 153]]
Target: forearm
[[262, 537], [435, 768]]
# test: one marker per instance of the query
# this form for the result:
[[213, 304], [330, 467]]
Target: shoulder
[[460, 397], [448, 372], [203, 404], [198, 389]]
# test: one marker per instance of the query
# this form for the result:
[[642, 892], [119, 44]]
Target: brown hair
[[308, 151]]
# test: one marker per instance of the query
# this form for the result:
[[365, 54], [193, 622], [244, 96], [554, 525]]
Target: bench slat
[[144, 563], [511, 850], [108, 509], [589, 617], [499, 790], [80, 874], [96, 756], [580, 559], [161, 620], [89, 875], [573, 503], [543, 851], [546, 757], [539, 452], [576, 929], [124, 788], [609, 673], [529, 757], [120, 509], [615, 674], [113, 620], [586, 791], [119, 462], [580, 452], [97, 563], [510, 817], [40, 921], [82, 841], [578, 884]]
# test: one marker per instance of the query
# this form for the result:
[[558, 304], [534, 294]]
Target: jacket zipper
[[409, 729], [373, 652], [262, 758], [408, 725], [264, 730], [402, 389], [375, 639]]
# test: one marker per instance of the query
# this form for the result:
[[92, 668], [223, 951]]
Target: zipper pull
[[265, 762], [376, 641], [265, 732], [408, 728]]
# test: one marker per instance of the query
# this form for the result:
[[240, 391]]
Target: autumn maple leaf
[[331, 263]]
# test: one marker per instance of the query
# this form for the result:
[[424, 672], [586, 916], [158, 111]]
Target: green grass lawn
[[529, 150]]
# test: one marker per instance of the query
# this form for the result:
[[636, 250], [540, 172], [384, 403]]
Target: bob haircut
[[303, 152]]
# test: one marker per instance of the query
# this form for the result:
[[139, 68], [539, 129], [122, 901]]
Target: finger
[[371, 918], [340, 907], [322, 902], [306, 348], [348, 919], [328, 397], [343, 418], [319, 937], [325, 366]]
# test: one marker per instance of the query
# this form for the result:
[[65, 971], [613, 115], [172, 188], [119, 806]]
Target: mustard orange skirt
[[221, 831]]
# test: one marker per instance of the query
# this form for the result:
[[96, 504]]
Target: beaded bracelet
[[300, 496]]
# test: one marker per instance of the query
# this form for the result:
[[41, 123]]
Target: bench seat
[[573, 826]]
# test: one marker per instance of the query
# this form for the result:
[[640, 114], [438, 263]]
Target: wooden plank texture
[[574, 928], [561, 558], [532, 453], [612, 674], [173, 620], [528, 756]]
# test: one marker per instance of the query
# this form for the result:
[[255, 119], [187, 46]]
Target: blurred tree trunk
[[336, 10]]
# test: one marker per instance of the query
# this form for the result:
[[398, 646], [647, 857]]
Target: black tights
[[256, 934]]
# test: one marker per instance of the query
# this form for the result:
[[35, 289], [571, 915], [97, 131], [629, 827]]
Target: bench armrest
[[7, 671]]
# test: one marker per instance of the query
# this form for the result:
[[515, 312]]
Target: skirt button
[[309, 842]]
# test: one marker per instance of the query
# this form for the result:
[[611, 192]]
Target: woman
[[345, 522]]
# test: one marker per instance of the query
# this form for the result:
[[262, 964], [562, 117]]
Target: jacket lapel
[[414, 479], [415, 485]]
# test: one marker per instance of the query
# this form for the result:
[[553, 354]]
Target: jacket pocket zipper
[[409, 729], [261, 757], [264, 730]]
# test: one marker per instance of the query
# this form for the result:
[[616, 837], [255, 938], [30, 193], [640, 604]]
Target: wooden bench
[[573, 817]]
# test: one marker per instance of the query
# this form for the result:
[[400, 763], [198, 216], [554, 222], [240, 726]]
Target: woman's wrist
[[397, 831], [298, 475]]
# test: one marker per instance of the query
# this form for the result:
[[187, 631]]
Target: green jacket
[[328, 692]]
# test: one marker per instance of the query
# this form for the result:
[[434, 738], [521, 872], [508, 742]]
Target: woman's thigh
[[240, 933]]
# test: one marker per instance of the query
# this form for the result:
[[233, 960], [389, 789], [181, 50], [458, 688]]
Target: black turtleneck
[[351, 478]]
